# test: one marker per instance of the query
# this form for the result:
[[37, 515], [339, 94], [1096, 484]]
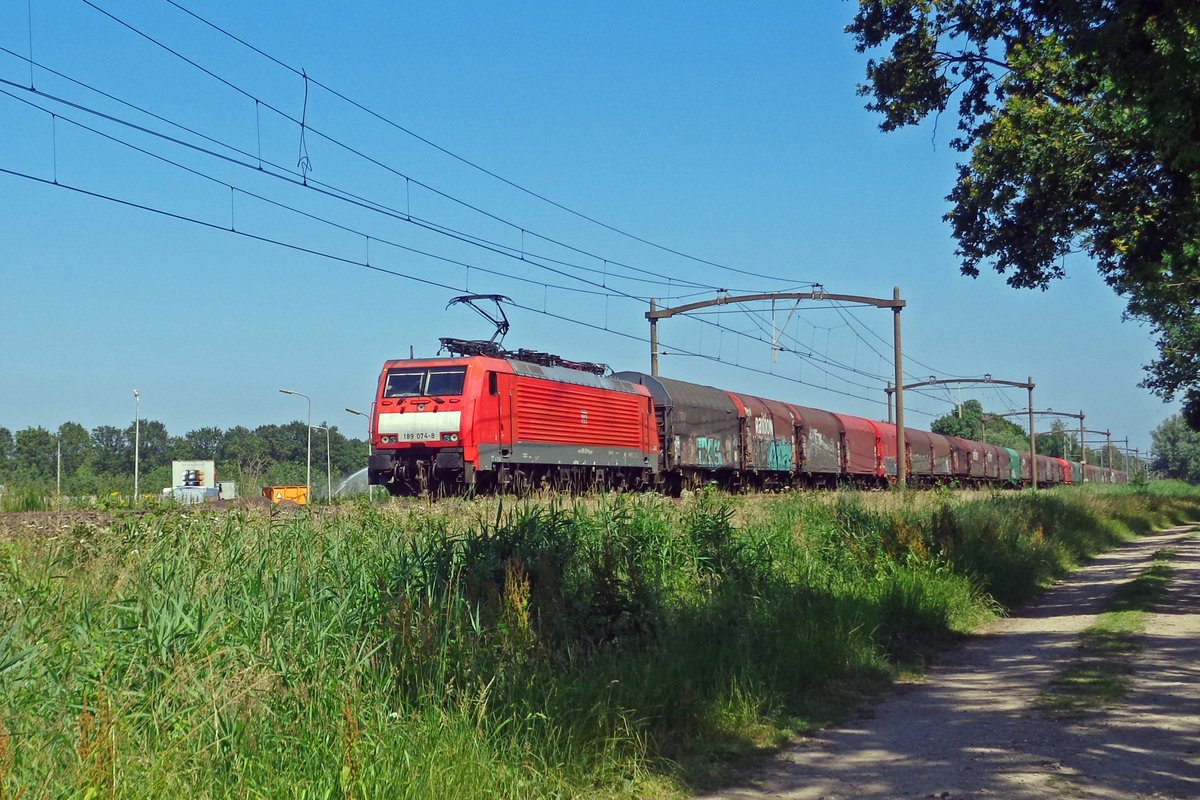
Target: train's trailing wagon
[[929, 457], [943, 465], [889, 453]]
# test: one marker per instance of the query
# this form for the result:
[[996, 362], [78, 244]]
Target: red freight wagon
[[1049, 471], [995, 461], [972, 460], [820, 452], [919, 450], [960, 459], [482, 421], [942, 456], [1003, 463], [701, 431], [889, 453], [861, 447], [1026, 468], [768, 438]]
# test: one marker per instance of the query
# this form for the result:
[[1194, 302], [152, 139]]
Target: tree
[[1059, 442], [112, 452], [35, 453], [154, 443], [284, 442], [970, 421], [965, 421], [1082, 124], [1175, 451], [242, 455], [202, 443], [75, 445], [7, 449]]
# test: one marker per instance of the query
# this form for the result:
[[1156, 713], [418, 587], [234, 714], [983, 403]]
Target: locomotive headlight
[[449, 437]]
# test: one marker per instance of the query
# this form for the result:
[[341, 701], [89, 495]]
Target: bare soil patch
[[973, 729], [18, 524], [47, 524]]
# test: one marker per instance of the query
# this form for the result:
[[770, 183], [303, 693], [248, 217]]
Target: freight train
[[521, 421]]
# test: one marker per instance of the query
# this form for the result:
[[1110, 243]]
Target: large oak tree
[[1079, 121]]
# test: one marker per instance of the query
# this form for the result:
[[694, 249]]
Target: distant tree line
[[101, 461]]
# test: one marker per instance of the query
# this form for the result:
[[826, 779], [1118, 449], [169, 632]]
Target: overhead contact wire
[[463, 160]]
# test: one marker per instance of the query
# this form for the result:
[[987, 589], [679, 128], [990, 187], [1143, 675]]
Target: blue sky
[[730, 132]]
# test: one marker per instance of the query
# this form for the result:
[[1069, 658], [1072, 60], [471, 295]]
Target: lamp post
[[308, 455], [137, 439], [328, 467], [370, 486]]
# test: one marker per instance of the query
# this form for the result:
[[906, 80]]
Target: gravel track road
[[970, 729]]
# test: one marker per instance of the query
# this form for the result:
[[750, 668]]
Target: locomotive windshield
[[425, 382]]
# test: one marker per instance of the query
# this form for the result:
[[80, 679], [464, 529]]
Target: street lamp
[[308, 455], [328, 467], [370, 486], [137, 439]]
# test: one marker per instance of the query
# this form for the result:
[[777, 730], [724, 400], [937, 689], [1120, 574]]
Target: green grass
[[613, 646], [1099, 676], [24, 498]]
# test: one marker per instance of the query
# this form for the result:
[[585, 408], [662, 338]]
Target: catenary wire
[[397, 273], [335, 141], [285, 173], [368, 236], [462, 159], [364, 234]]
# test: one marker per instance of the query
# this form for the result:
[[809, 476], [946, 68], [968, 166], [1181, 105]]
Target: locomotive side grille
[[547, 412]]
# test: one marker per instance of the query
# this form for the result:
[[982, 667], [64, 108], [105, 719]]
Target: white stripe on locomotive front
[[420, 426]]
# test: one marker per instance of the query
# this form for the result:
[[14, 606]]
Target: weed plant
[[24, 498], [611, 646]]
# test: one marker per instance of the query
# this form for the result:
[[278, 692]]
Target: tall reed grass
[[613, 646]]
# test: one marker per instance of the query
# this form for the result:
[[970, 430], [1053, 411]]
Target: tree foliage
[[968, 420], [1081, 124], [1175, 451]]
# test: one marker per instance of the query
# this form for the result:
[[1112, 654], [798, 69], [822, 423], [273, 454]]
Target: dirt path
[[970, 729]]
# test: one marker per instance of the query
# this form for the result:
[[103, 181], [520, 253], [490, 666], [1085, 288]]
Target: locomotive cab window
[[442, 382], [435, 382]]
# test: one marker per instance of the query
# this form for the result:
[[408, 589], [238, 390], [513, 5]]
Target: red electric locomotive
[[455, 424]]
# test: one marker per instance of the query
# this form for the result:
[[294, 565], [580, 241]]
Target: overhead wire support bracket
[[894, 303], [1028, 385]]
